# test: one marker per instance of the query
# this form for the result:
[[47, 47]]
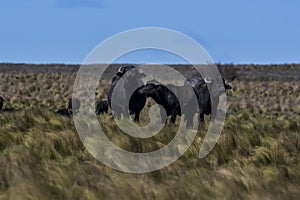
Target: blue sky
[[232, 31]]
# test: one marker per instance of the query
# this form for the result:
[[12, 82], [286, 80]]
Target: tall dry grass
[[42, 157]]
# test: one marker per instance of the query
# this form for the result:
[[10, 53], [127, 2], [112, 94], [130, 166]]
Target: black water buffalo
[[102, 107], [163, 96], [132, 79], [201, 88], [167, 96], [73, 108], [2, 100]]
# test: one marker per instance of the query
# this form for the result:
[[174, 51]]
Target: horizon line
[[136, 63]]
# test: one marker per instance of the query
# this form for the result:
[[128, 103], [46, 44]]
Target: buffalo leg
[[201, 117], [137, 117], [173, 117]]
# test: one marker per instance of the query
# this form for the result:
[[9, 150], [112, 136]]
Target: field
[[256, 157]]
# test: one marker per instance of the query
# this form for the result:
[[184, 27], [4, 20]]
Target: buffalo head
[[218, 88], [150, 88]]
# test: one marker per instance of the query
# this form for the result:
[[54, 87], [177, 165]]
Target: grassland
[[256, 157]]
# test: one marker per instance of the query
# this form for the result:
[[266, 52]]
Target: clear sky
[[232, 31]]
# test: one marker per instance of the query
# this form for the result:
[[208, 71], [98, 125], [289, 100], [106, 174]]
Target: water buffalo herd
[[127, 86], [164, 95]]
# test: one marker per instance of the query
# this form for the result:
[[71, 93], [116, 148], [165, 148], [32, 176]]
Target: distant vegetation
[[257, 155]]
